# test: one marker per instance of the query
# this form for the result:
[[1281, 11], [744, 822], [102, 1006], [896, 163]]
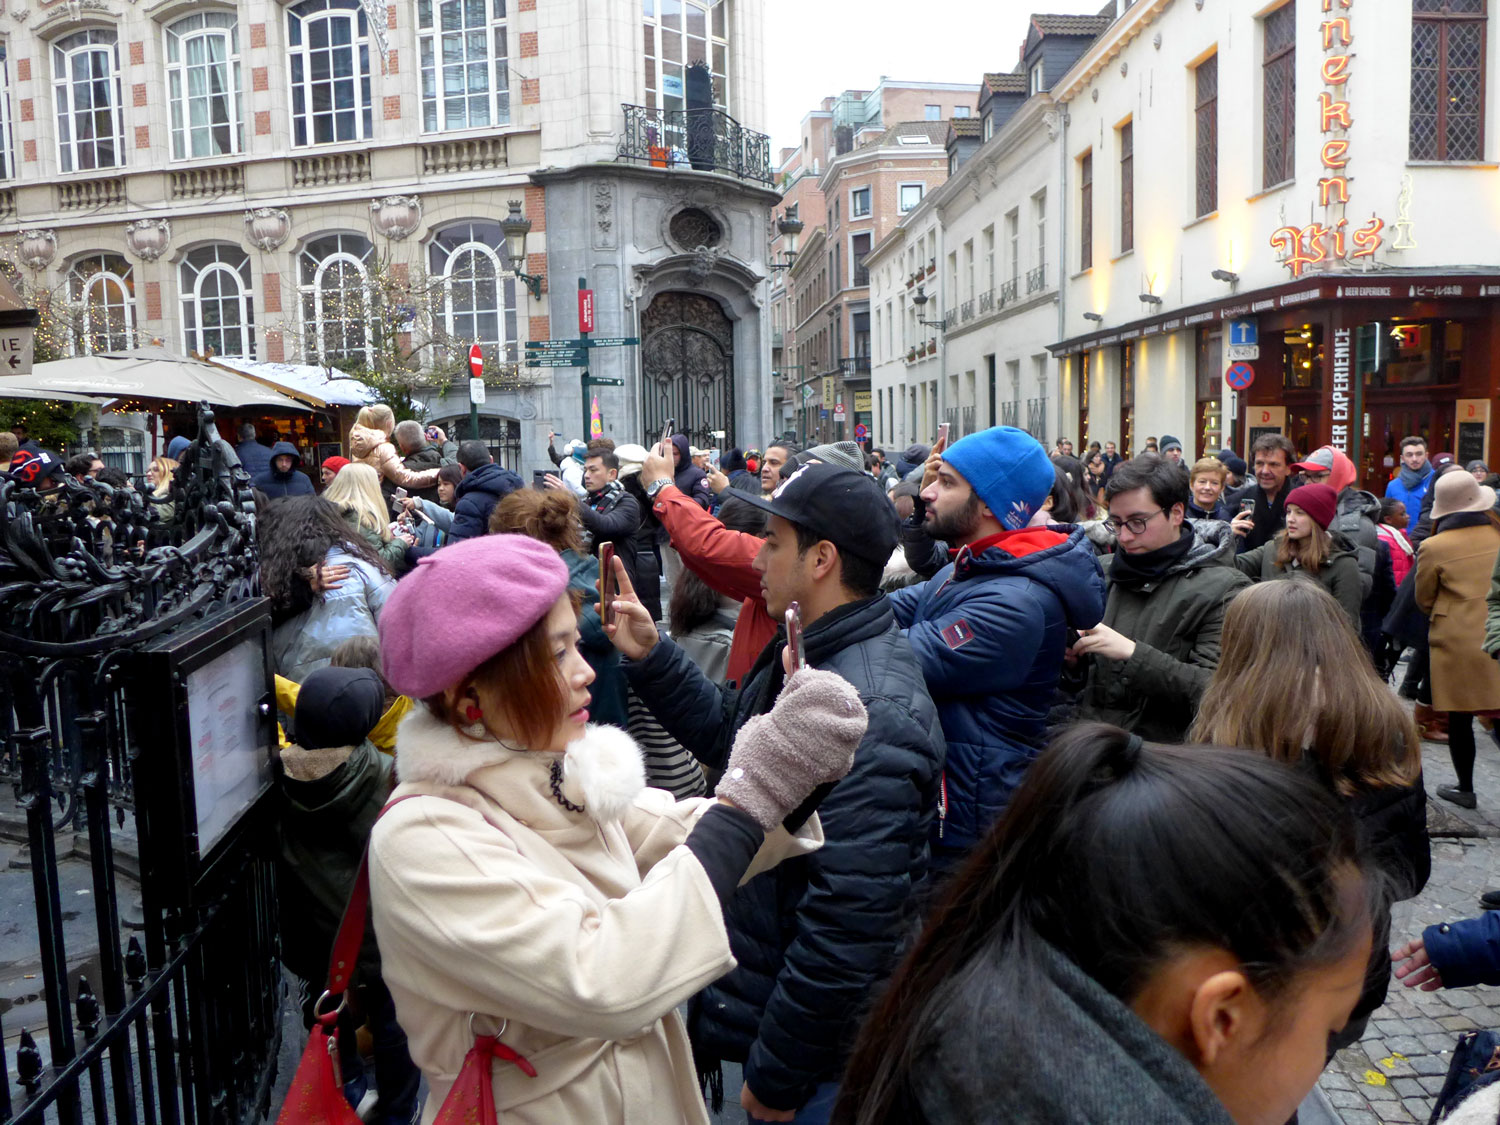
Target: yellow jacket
[[384, 734]]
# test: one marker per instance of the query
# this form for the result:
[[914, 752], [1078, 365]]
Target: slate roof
[[1005, 83], [1049, 24], [967, 126]]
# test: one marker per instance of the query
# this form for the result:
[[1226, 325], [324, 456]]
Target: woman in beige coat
[[370, 442], [536, 889], [1454, 567]]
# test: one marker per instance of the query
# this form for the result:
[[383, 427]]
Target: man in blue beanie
[[990, 627]]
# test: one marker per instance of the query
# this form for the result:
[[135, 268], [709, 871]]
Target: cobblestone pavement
[[1396, 1070]]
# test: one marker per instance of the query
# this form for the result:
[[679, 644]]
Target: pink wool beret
[[461, 606]]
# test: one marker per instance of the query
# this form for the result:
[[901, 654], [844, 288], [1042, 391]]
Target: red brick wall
[[138, 53], [28, 151], [257, 35], [275, 349], [528, 45], [138, 94], [526, 6], [535, 206], [259, 78], [531, 91], [28, 109], [262, 123], [539, 328], [271, 285], [536, 266], [392, 110], [23, 70], [143, 136], [153, 300], [393, 64]]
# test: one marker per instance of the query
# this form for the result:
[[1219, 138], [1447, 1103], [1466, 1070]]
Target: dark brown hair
[[551, 517], [522, 681]]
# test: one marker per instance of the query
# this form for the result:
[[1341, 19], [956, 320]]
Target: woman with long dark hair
[[1151, 935], [325, 582], [1454, 567], [1334, 717]]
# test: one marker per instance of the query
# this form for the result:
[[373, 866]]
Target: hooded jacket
[[374, 449], [291, 483], [1175, 624], [690, 480], [1339, 574], [989, 631], [1411, 495], [816, 936], [1063, 1049], [475, 498]]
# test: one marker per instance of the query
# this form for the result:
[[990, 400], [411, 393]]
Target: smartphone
[[942, 438], [432, 433], [608, 587], [794, 636], [400, 494], [666, 433], [1247, 506], [539, 479]]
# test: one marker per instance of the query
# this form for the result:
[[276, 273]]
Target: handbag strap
[[351, 935]]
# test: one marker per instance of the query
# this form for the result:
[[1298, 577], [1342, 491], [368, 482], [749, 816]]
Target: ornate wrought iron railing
[[704, 140], [1036, 280]]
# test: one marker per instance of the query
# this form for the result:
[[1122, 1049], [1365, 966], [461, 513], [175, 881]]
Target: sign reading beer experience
[[1332, 241], [1339, 401]]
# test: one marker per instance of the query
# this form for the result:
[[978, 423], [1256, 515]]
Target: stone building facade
[[324, 182]]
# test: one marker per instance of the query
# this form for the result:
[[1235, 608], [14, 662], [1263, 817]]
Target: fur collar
[[602, 771]]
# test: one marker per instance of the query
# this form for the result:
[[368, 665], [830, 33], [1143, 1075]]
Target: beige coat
[[1453, 579], [373, 448], [578, 936]]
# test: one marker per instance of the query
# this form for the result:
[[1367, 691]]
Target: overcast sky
[[817, 48]]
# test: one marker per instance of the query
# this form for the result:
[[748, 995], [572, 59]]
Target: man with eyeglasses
[[1170, 580]]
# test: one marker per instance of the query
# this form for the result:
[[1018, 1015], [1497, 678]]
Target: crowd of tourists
[[975, 782]]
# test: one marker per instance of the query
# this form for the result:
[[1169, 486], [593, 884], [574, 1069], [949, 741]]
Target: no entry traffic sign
[[1239, 376]]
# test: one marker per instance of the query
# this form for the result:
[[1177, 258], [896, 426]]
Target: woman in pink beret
[[536, 889]]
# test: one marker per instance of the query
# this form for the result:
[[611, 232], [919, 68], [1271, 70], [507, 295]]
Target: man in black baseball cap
[[816, 934]]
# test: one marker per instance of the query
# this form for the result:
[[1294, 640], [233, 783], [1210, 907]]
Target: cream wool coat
[[580, 936], [373, 448]]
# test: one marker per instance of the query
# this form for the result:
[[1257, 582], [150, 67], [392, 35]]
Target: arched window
[[86, 89], [465, 67], [102, 288], [336, 304], [329, 42], [218, 312], [479, 293], [203, 86]]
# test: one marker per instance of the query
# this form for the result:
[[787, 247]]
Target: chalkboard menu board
[[1469, 445]]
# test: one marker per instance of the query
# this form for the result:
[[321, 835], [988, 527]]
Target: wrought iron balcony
[[1008, 293], [987, 302], [704, 140], [966, 311], [1036, 280]]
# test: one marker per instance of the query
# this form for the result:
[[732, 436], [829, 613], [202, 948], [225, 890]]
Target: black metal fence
[[705, 140], [121, 635]]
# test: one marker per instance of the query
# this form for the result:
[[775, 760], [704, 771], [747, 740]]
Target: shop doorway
[[1386, 423]]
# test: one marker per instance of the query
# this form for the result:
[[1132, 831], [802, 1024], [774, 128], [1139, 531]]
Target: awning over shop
[[7, 391], [141, 379], [317, 386]]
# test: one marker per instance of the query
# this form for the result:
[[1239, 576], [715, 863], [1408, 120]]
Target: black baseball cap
[[847, 508]]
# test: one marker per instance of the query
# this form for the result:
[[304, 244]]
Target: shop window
[[1210, 392], [1447, 79], [1420, 353], [1302, 357]]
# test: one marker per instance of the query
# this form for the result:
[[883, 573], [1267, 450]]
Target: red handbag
[[317, 1097]]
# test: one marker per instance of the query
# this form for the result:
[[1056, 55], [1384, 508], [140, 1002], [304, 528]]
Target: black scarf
[[1136, 572], [1460, 519], [1270, 515]]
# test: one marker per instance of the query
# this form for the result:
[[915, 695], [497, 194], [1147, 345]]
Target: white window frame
[[901, 192], [854, 194], [1034, 76], [960, 112], [313, 291], [1013, 243], [501, 350], [101, 41], [190, 292], [431, 60], [716, 20], [176, 37], [124, 281], [7, 137], [1039, 225], [301, 18], [932, 113]]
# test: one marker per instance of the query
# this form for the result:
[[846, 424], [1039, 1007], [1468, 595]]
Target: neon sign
[[1332, 241]]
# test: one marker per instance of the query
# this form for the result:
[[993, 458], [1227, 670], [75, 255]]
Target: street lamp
[[790, 229], [516, 226], [920, 300]]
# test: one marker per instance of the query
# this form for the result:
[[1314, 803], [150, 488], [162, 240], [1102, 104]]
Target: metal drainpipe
[[942, 263], [1062, 252]]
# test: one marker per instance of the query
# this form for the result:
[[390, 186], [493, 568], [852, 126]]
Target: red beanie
[[1317, 500], [334, 464]]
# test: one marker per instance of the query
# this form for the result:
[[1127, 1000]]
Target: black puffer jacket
[[817, 935]]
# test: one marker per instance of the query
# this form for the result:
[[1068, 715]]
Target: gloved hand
[[807, 739]]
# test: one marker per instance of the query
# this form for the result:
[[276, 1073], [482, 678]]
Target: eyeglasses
[[1137, 524]]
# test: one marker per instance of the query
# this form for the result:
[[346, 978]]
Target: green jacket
[[1175, 624], [391, 551], [1340, 575]]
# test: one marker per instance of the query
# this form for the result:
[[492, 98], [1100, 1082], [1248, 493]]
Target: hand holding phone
[[1247, 506], [798, 658], [942, 437], [666, 437], [608, 588], [539, 479]]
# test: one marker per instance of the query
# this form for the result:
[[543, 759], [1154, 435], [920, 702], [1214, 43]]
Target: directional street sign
[[560, 353], [573, 343], [578, 362], [606, 382], [15, 351], [614, 342], [807, 391], [576, 342]]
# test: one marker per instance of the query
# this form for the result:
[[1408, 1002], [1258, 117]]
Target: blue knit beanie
[[1008, 469]]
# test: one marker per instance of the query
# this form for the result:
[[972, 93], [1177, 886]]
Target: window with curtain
[[334, 273], [465, 64], [479, 291], [86, 92], [1447, 79], [1206, 141], [1279, 92], [102, 289], [203, 86], [678, 33], [329, 45], [218, 314], [1086, 211]]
